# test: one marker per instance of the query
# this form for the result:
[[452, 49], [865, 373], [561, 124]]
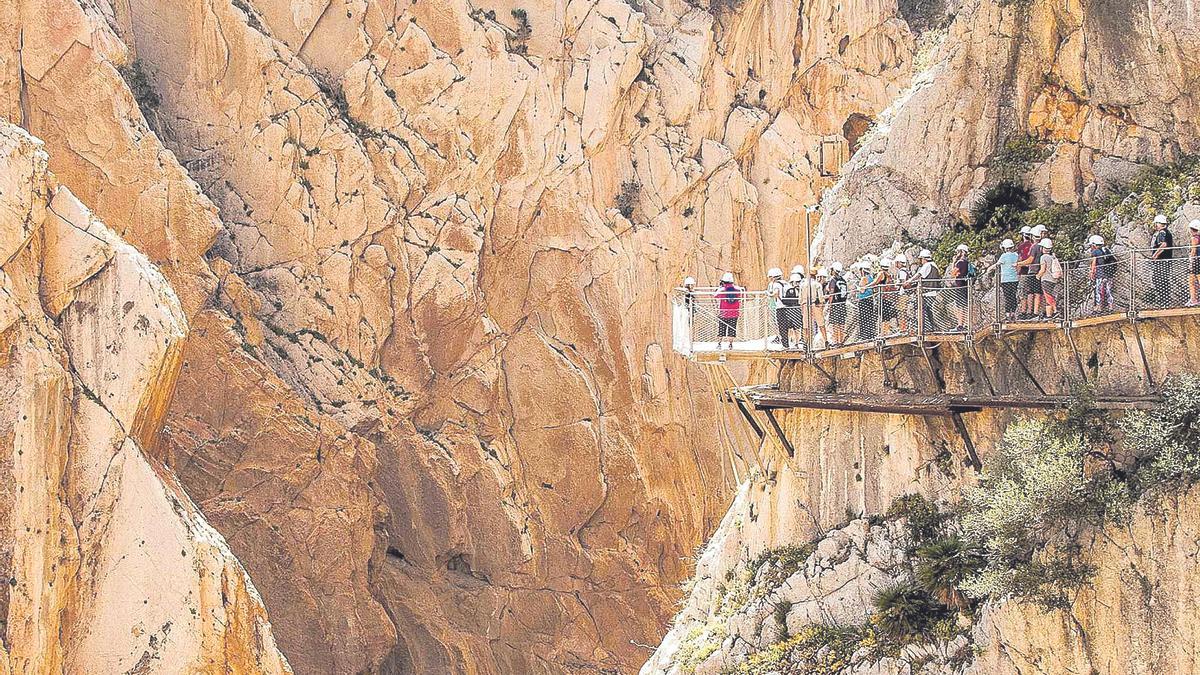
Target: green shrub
[[906, 611], [1000, 206], [922, 518], [629, 197], [941, 567], [1166, 440], [773, 567], [1018, 156]]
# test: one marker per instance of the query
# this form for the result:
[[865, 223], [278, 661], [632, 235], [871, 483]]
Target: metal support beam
[[758, 430], [1137, 334], [779, 432], [1024, 368], [961, 427]]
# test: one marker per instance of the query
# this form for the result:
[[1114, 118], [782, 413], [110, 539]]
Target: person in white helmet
[[959, 272], [1023, 277], [729, 310], [775, 290], [1102, 269], [1032, 279], [1161, 245], [795, 310], [927, 280], [1007, 264], [835, 304], [819, 284], [1194, 263], [1050, 274]]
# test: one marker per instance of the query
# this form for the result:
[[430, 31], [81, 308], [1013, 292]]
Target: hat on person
[[1007, 243], [728, 276], [925, 254], [774, 272], [886, 262], [1025, 229], [836, 267], [796, 276], [1045, 243], [1096, 240], [798, 269], [1160, 219], [1194, 225], [1037, 229], [961, 247], [689, 281], [901, 258], [822, 272]]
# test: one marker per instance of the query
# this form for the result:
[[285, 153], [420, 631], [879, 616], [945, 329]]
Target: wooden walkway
[[927, 404]]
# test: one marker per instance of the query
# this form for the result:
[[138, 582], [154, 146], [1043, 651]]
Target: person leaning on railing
[[925, 279], [1007, 264], [959, 273], [794, 299]]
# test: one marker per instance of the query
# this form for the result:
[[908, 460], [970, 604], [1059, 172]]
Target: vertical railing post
[[1065, 318], [1001, 299], [920, 310], [1132, 284], [806, 333], [969, 321]]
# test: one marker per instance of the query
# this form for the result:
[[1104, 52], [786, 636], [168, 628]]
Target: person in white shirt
[[1050, 273], [775, 289], [926, 280]]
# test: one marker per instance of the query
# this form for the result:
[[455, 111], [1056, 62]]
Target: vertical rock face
[[425, 395], [1111, 86], [109, 565]]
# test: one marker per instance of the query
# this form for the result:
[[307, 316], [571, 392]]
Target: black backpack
[[791, 296]]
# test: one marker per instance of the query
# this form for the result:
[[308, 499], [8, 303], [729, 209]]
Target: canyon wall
[[423, 250], [108, 565]]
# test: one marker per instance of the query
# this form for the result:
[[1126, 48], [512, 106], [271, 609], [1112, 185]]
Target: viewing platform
[[1134, 288]]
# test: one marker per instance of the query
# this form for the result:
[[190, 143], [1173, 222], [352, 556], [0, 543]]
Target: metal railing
[[1125, 282]]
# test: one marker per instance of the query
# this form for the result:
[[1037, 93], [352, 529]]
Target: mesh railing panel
[[1162, 282], [945, 307], [1096, 286]]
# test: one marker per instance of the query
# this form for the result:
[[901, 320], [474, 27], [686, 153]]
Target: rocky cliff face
[[425, 395], [109, 566]]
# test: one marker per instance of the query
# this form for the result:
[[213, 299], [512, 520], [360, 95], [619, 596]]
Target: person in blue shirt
[[1007, 264]]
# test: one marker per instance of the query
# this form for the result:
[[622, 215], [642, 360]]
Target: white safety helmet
[[822, 272], [1096, 240], [1194, 225], [925, 254], [836, 267], [961, 247], [901, 258], [774, 272], [796, 276], [798, 269], [1026, 230], [886, 262], [1038, 230], [689, 281], [1007, 243], [1160, 219], [727, 277], [1045, 243]]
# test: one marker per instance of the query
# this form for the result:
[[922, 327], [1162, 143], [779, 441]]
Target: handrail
[[1134, 282]]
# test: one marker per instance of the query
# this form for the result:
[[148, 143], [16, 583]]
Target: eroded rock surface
[[109, 566]]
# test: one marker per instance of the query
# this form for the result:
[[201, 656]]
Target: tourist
[[794, 301], [1161, 245], [775, 289], [729, 310], [1102, 269], [959, 273], [886, 291], [835, 302], [926, 281], [867, 320], [1023, 285], [1049, 275], [821, 284], [1194, 263], [1033, 286], [1007, 263], [900, 275]]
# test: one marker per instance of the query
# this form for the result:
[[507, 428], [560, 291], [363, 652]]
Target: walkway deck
[[928, 404]]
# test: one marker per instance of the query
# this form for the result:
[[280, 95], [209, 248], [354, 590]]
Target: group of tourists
[[876, 296]]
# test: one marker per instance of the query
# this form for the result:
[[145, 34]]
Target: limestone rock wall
[[1110, 87], [426, 397], [109, 566]]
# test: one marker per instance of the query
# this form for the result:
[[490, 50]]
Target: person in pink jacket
[[729, 310]]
